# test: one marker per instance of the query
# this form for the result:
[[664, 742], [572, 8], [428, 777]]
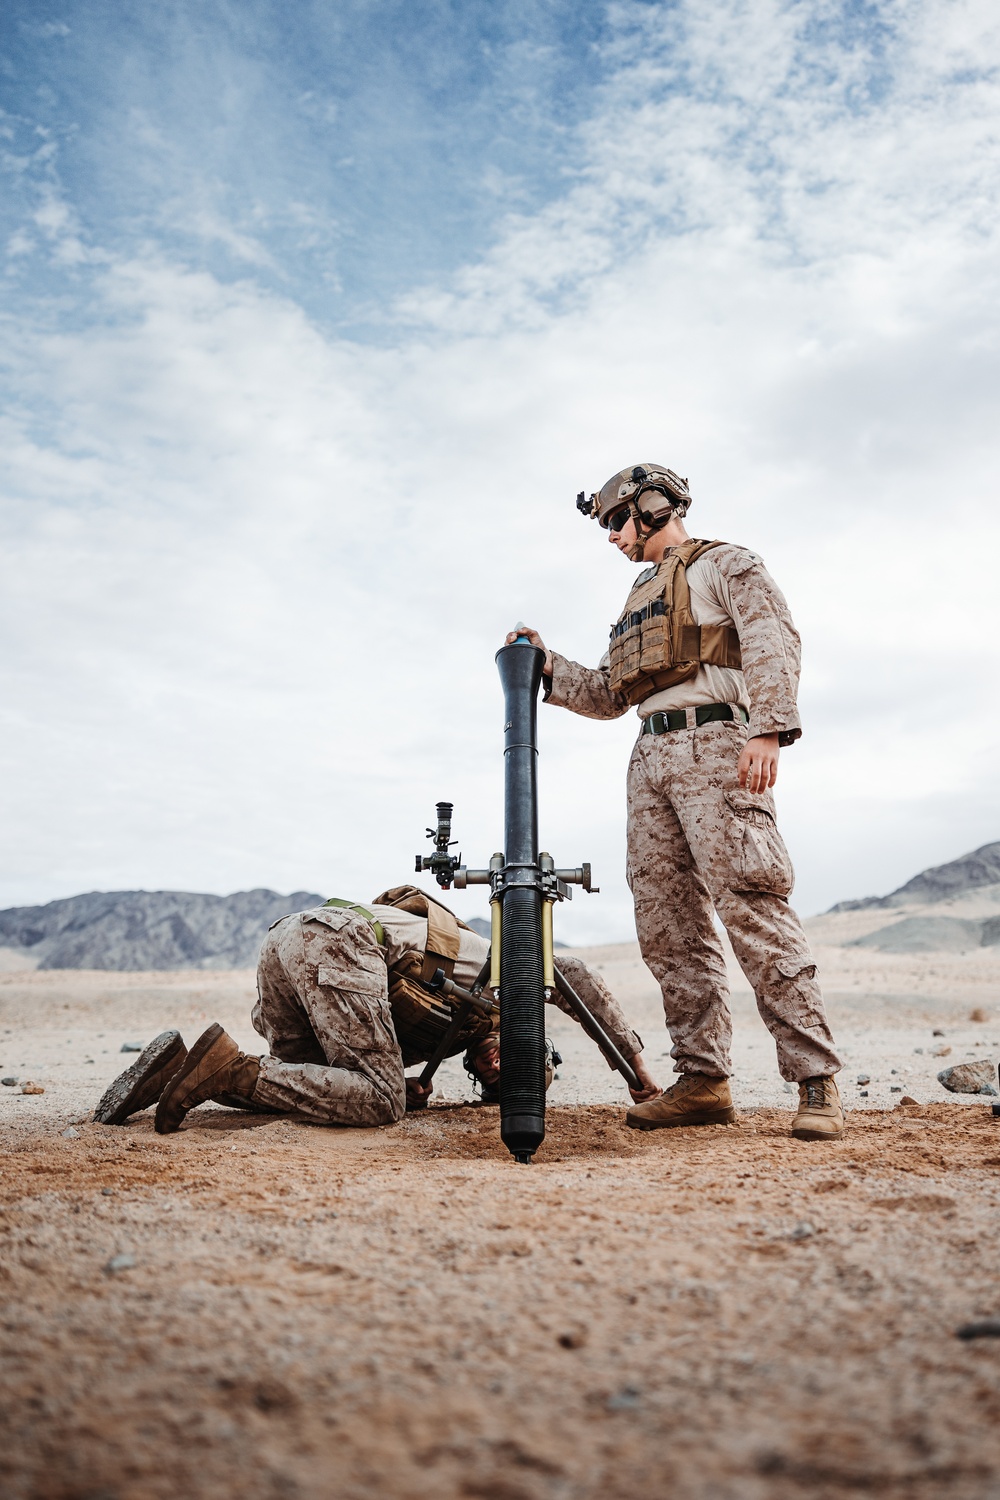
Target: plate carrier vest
[[420, 1016], [655, 642]]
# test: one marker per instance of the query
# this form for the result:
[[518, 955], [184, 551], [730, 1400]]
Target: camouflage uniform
[[323, 1007], [696, 839]]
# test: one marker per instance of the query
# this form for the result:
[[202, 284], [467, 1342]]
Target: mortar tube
[[522, 998]]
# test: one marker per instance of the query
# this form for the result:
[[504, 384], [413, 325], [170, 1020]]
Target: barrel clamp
[[448, 870]]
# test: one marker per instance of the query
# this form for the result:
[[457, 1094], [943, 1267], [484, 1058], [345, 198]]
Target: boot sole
[[205, 1042], [805, 1134], [141, 1084], [705, 1117]]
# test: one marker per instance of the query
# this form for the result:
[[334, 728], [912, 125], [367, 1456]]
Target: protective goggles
[[618, 519]]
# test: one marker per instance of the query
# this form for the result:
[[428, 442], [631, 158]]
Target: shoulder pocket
[[733, 561], [328, 916], [361, 975]]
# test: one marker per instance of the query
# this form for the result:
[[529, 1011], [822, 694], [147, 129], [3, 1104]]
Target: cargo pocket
[[796, 997], [799, 963], [760, 859], [355, 1018]]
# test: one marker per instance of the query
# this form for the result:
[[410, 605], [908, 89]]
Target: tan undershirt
[[711, 604], [407, 933]]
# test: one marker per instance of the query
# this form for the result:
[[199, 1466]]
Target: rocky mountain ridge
[[949, 908], [939, 883], [140, 930]]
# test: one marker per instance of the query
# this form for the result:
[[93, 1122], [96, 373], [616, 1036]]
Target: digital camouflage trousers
[[697, 841], [323, 1007]]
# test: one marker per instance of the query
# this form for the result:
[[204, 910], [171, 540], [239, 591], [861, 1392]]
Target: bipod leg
[[458, 1020], [596, 1031]]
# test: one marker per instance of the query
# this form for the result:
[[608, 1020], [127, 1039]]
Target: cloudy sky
[[316, 318]]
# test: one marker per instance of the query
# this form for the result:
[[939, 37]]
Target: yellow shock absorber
[[548, 954], [496, 932]]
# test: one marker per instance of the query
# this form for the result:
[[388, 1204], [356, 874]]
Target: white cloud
[[256, 575], [18, 244]]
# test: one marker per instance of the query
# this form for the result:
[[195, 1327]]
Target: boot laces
[[816, 1097], [685, 1083]]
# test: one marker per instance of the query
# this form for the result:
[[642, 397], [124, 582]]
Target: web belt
[[705, 713]]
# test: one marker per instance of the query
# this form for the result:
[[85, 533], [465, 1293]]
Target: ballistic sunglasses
[[618, 519]]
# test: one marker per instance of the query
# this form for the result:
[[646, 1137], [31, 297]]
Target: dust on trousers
[[696, 840]]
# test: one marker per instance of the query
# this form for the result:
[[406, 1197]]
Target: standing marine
[[706, 652]]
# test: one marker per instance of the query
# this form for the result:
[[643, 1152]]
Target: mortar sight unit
[[524, 886], [442, 865]]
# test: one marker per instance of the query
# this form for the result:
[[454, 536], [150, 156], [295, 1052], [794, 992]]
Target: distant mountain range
[[147, 929], [970, 885], [143, 930], [940, 883]]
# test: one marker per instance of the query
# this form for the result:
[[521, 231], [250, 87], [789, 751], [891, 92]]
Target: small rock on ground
[[124, 1262], [627, 1399], [969, 1078]]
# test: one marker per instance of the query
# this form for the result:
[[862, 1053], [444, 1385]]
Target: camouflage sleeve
[[600, 1002], [583, 690], [769, 643]]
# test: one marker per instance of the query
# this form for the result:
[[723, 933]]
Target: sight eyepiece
[[441, 863]]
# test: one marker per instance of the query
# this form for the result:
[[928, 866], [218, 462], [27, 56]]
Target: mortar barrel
[[522, 997]]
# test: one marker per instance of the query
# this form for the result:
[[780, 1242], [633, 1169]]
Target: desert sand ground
[[258, 1307]]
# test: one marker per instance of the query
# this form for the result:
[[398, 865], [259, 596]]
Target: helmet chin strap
[[637, 551], [638, 547]]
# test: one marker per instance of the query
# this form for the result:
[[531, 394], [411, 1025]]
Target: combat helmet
[[650, 493]]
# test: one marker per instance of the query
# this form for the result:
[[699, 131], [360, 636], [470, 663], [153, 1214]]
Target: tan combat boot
[[821, 1115], [695, 1099], [143, 1083], [215, 1065]]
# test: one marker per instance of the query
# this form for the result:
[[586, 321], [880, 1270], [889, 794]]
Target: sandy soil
[[258, 1307]]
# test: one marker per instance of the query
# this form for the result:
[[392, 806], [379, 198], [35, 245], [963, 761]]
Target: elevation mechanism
[[524, 886]]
